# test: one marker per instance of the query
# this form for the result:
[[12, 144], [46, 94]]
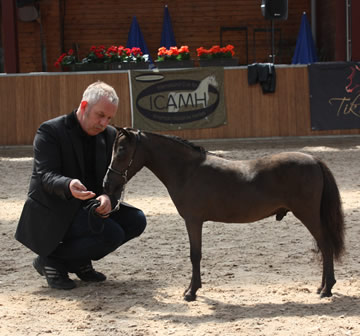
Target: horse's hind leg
[[312, 222], [194, 229], [328, 277]]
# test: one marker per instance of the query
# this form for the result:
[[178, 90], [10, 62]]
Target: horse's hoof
[[325, 294], [189, 297]]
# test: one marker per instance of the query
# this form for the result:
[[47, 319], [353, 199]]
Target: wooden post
[[10, 45]]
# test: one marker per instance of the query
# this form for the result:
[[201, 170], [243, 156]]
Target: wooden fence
[[29, 99]]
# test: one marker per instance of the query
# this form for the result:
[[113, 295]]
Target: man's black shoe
[[55, 277], [88, 274]]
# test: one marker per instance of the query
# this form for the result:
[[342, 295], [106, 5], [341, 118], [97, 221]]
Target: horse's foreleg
[[194, 230]]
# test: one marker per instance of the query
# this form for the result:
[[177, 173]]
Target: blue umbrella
[[305, 51], [167, 35], [136, 38]]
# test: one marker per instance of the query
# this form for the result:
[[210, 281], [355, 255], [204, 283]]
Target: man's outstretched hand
[[78, 190]]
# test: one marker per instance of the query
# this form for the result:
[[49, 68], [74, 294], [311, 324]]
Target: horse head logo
[[354, 79], [211, 80], [193, 98]]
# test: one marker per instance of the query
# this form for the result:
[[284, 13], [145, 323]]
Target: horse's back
[[276, 168]]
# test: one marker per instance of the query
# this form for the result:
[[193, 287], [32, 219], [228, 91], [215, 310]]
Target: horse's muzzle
[[106, 185], [112, 188]]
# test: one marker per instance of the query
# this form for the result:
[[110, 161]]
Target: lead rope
[[95, 220]]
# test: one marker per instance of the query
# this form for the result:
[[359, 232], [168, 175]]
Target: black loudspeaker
[[274, 9], [23, 3], [27, 10]]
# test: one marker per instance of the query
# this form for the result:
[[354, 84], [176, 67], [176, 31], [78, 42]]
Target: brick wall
[[195, 23]]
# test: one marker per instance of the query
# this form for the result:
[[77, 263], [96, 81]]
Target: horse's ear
[[125, 131], [121, 130]]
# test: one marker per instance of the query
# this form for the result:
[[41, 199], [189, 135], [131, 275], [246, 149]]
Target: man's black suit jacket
[[58, 158]]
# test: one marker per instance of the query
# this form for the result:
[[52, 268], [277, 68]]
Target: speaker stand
[[272, 56]]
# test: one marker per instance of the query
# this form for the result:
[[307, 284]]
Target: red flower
[[215, 49], [230, 48], [174, 51], [184, 49], [162, 51], [65, 59], [136, 51]]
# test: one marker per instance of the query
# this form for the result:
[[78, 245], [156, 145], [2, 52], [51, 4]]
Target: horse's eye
[[120, 149]]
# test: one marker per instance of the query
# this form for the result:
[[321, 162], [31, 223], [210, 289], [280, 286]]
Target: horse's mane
[[182, 141]]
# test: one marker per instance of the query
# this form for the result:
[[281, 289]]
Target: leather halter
[[123, 173]]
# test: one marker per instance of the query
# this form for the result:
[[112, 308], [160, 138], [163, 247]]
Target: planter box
[[129, 66], [91, 67], [67, 68], [104, 66], [221, 62], [174, 64]]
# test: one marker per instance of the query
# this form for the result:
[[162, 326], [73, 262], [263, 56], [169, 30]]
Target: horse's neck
[[170, 161], [203, 85]]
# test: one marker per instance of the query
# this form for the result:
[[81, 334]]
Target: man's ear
[[83, 105]]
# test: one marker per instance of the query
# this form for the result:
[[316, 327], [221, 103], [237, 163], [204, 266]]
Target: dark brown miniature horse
[[205, 187]]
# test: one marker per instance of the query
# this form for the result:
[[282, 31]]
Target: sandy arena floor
[[258, 279]]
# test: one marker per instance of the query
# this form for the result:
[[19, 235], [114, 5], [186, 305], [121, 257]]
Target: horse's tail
[[331, 212]]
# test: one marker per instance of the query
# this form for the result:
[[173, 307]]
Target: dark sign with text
[[334, 95], [178, 99]]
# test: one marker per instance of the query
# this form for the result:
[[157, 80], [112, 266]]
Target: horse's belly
[[242, 213], [234, 208]]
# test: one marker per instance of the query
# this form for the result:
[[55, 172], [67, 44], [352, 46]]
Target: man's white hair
[[95, 91]]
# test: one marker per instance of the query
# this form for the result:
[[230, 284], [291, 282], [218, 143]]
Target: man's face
[[94, 119]]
